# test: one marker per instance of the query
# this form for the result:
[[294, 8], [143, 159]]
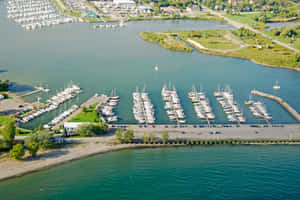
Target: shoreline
[[46, 163]]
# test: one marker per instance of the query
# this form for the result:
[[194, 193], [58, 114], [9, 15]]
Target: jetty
[[279, 100]]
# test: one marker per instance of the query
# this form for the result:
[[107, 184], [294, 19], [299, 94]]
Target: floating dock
[[283, 103]]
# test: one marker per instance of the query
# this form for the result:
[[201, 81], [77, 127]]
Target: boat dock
[[30, 93], [100, 99], [283, 103]]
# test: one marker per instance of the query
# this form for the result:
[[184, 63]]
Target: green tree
[[119, 135], [33, 148], [17, 152], [128, 136], [8, 133], [40, 128], [165, 136], [151, 137], [84, 109], [146, 138]]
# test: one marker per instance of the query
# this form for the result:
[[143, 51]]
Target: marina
[[201, 105], [258, 109], [172, 104], [143, 109], [61, 116], [107, 108], [229, 105], [35, 14], [109, 25], [51, 104]]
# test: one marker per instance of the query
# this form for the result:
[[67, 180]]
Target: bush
[[17, 152], [92, 129], [128, 136], [33, 148], [8, 133]]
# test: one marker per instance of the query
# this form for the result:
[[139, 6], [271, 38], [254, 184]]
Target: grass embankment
[[234, 43], [205, 16], [220, 142], [167, 41], [87, 115]]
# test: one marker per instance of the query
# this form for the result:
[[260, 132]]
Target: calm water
[[102, 60], [216, 172]]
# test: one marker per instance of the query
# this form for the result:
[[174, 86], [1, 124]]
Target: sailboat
[[156, 67], [276, 86], [249, 102]]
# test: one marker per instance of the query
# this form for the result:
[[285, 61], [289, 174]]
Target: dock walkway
[[283, 103]]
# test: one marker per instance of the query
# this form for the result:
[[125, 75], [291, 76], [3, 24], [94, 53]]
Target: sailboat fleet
[[33, 14], [201, 105], [258, 109], [172, 104], [62, 116], [109, 25], [68, 93], [108, 109], [143, 109], [229, 105]]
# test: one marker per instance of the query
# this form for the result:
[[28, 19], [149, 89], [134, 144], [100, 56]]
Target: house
[[144, 9], [170, 10], [194, 8], [124, 2]]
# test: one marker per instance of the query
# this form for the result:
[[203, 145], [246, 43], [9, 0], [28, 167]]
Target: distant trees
[[4, 84], [244, 32]]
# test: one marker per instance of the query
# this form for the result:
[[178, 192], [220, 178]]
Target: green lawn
[[4, 119], [90, 115]]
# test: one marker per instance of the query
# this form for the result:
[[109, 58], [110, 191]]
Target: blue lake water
[[100, 60], [199, 172]]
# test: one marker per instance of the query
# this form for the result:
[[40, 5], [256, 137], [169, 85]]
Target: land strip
[[242, 43], [240, 25]]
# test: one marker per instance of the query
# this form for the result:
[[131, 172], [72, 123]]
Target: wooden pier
[[283, 103]]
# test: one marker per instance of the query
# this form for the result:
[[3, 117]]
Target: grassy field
[[232, 43], [248, 19], [212, 39], [167, 41], [4, 119], [90, 115]]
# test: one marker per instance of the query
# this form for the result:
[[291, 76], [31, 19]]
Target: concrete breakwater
[[283, 103]]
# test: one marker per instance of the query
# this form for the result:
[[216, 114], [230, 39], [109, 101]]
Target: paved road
[[239, 25], [287, 131]]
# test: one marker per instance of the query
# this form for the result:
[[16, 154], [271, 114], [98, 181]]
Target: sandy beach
[[83, 147]]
